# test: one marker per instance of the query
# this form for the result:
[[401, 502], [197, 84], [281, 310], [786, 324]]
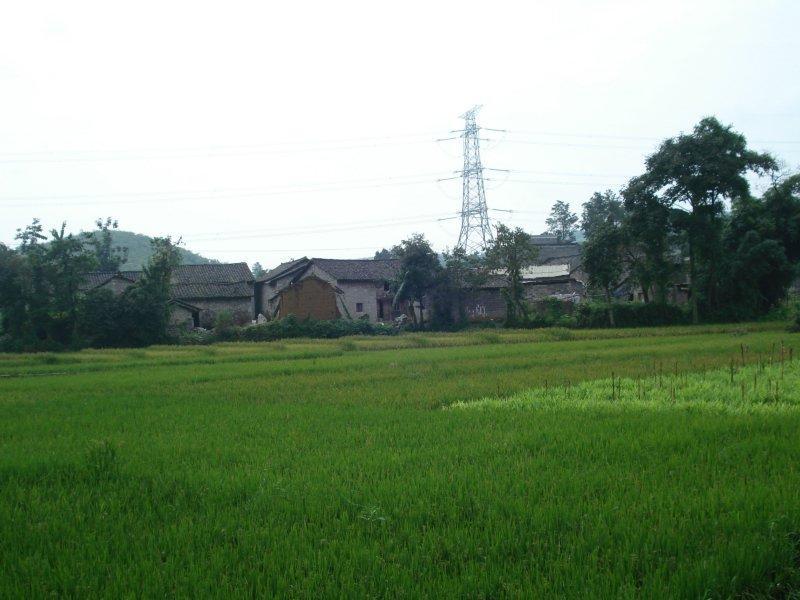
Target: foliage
[[176, 471], [40, 287], [292, 327], [419, 272], [561, 222], [631, 314], [650, 241], [460, 276], [510, 252], [384, 254], [139, 249], [109, 257], [601, 209], [603, 250], [257, 270], [694, 174]]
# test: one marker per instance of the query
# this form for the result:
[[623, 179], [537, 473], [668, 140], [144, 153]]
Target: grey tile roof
[[187, 291], [212, 273], [283, 268], [359, 269], [559, 254], [232, 280], [98, 278]]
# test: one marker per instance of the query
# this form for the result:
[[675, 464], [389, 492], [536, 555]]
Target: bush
[[290, 327], [632, 314], [795, 326]]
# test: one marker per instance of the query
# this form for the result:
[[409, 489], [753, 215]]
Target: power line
[[226, 195], [284, 232], [220, 147], [216, 191], [623, 137], [201, 154]]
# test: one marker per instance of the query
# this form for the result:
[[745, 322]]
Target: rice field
[[655, 463]]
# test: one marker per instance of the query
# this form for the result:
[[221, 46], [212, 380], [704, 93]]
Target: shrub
[[290, 327], [224, 326], [795, 326], [632, 314]]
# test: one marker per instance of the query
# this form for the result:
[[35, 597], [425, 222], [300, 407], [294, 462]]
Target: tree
[[384, 254], [150, 295], [40, 287], [419, 272], [257, 270], [109, 257], [510, 252], [649, 241], [602, 255], [460, 276], [599, 209], [696, 173], [561, 223], [67, 261], [782, 204], [761, 247]]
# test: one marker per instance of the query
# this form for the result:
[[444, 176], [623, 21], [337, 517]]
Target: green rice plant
[[654, 463]]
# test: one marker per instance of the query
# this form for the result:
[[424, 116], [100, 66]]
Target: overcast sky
[[262, 131]]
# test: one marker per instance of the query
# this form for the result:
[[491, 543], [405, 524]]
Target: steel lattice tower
[[476, 231]]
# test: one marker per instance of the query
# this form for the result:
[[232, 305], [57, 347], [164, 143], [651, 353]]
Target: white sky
[[271, 130]]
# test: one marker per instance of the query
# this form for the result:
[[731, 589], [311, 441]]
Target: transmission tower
[[476, 232]]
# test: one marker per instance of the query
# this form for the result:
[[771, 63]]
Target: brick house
[[327, 288], [198, 292]]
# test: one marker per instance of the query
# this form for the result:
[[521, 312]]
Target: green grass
[[481, 464]]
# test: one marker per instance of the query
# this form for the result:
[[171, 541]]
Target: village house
[[538, 283], [326, 288], [198, 292], [557, 273]]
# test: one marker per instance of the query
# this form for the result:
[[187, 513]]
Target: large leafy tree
[[419, 273], [651, 247], [40, 284], [561, 222], [603, 250], [510, 252], [599, 209], [696, 173], [761, 249]]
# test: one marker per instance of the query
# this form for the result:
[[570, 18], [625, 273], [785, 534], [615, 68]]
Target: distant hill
[[139, 251]]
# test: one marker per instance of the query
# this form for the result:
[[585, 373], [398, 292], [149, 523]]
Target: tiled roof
[[98, 278], [233, 280], [559, 254], [282, 268], [185, 291], [212, 273], [359, 269]]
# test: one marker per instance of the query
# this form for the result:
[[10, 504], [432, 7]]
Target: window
[[359, 307]]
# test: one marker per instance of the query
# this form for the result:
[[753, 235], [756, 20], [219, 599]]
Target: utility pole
[[476, 231]]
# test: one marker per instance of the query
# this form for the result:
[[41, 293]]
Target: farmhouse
[[538, 282], [199, 292], [326, 288]]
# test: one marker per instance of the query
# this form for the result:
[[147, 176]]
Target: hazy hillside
[[139, 250]]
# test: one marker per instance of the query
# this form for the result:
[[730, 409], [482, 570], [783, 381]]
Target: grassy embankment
[[479, 464]]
